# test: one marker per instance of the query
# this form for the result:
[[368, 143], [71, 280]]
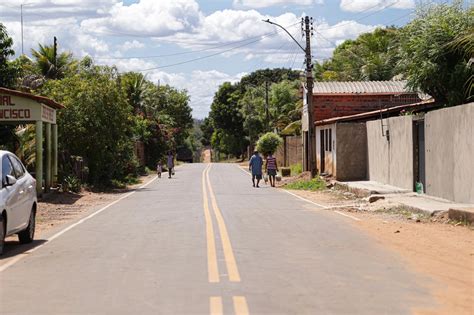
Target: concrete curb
[[465, 215], [361, 193], [420, 204]]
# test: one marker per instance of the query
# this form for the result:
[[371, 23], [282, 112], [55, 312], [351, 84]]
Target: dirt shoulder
[[431, 246]]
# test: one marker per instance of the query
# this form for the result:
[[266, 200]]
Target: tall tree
[[372, 56], [8, 71], [427, 61], [52, 67], [95, 122]]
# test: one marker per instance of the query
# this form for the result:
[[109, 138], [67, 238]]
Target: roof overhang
[[428, 104]]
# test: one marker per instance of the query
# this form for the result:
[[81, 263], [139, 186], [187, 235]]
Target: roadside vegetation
[[314, 184], [106, 114]]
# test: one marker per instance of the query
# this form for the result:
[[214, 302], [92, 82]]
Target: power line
[[364, 17], [193, 51], [214, 54]]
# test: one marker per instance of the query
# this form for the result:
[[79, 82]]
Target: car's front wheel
[[27, 235], [3, 231]]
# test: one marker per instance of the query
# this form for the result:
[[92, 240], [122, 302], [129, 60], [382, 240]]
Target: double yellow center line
[[213, 269], [215, 302]]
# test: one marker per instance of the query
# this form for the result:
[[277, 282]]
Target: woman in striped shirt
[[271, 168]]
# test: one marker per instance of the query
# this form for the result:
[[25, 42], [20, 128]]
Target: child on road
[[159, 169]]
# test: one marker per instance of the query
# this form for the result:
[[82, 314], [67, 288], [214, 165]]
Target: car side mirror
[[10, 180]]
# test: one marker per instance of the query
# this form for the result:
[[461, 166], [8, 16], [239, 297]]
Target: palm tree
[[137, 89], [464, 44], [48, 66]]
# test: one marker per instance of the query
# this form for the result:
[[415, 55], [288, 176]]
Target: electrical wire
[[212, 55]]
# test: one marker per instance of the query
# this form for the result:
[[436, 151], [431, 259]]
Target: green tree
[[49, 66], [372, 56], [229, 136], [8, 72], [284, 100], [269, 143], [427, 61], [137, 89], [207, 130], [96, 122]]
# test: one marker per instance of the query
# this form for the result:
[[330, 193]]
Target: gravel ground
[[433, 246]]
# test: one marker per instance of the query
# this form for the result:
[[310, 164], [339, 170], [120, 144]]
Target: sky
[[196, 45]]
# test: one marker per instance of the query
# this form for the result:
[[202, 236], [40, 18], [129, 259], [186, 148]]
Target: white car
[[17, 200]]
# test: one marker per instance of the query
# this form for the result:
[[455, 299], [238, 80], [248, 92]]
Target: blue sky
[[153, 36]]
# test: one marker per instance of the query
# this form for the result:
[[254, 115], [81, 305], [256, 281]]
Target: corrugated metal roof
[[361, 87]]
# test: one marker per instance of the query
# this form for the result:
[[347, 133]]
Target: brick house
[[337, 99]]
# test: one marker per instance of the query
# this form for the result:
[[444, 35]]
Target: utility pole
[[267, 115], [21, 14], [308, 31], [55, 51]]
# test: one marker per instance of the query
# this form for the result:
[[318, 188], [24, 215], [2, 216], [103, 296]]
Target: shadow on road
[[13, 248]]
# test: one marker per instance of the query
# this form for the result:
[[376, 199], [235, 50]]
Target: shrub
[[71, 184], [296, 169], [314, 184], [268, 143]]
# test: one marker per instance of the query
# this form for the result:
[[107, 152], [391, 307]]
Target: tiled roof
[[40, 99], [361, 87]]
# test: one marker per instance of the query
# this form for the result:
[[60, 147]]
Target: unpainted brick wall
[[294, 151], [329, 106]]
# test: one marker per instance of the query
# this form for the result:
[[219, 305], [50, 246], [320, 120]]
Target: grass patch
[[296, 169], [313, 184]]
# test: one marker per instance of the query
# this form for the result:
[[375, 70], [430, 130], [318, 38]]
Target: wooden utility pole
[[267, 116], [311, 143], [308, 30]]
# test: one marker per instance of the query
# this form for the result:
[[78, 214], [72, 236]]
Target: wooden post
[[55, 155], [39, 157], [48, 172]]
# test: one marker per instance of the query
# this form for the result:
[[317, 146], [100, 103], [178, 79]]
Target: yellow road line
[[231, 264], [212, 268], [240, 305], [215, 305]]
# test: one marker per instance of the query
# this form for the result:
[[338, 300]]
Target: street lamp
[[310, 146]]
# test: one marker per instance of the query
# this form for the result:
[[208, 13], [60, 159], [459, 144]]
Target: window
[[7, 169], [17, 167]]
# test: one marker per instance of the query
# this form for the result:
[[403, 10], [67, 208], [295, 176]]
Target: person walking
[[170, 163], [159, 169], [255, 166], [271, 168]]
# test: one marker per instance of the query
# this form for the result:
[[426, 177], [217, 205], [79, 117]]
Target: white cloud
[[134, 44], [258, 4], [149, 18], [372, 5], [201, 86]]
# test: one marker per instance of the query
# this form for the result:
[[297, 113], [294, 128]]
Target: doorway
[[322, 168], [419, 153]]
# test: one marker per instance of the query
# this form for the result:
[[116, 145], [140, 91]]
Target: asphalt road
[[207, 242]]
